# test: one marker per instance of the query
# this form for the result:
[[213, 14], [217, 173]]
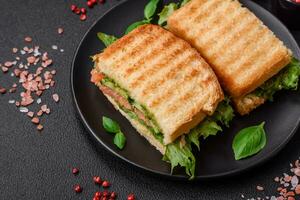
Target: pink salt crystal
[[4, 69], [30, 114], [60, 31], [31, 59], [55, 97], [297, 171], [14, 50], [44, 108], [8, 64]]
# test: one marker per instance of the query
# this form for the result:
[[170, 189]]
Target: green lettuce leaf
[[106, 39], [183, 2], [166, 12], [286, 79], [134, 25], [182, 156], [205, 129], [224, 113], [208, 128]]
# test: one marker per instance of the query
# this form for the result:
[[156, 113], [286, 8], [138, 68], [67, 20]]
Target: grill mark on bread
[[156, 68], [132, 53], [235, 39], [224, 29], [239, 52], [265, 43], [265, 65], [205, 7], [187, 95], [226, 53], [109, 52], [141, 62], [154, 84], [211, 38], [207, 14], [124, 44], [218, 21], [160, 100]]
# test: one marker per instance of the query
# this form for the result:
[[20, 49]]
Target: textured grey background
[[37, 166]]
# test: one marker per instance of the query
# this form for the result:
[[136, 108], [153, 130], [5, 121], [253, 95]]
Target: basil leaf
[[135, 25], [181, 156], [120, 140], [166, 12], [249, 141], [151, 8], [106, 39], [110, 125], [184, 2]]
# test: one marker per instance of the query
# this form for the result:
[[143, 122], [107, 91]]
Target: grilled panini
[[158, 82], [243, 52]]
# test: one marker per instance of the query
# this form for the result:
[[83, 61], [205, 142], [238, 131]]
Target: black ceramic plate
[[216, 157]]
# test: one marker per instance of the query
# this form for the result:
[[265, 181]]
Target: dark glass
[[288, 11]]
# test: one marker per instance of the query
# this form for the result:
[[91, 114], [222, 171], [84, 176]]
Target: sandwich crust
[[166, 75], [244, 105], [243, 52]]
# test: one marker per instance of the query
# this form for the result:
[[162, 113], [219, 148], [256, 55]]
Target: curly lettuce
[[178, 155], [286, 79], [182, 156]]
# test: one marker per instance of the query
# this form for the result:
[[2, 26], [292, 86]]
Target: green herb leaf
[[249, 141], [110, 125], [135, 25], [106, 39], [181, 156], [184, 2], [286, 79], [208, 128], [194, 137], [166, 12], [205, 129], [224, 112], [150, 9], [120, 140]]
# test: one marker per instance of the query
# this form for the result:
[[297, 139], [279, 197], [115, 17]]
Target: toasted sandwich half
[[158, 82], [242, 51]]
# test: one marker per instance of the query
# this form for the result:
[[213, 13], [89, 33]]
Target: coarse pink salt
[[55, 97], [35, 120], [60, 31], [39, 127], [31, 59]]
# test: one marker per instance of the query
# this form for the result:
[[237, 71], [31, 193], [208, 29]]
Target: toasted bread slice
[[164, 74], [243, 52]]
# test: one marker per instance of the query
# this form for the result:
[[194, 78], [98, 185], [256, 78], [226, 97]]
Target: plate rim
[[230, 173]]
